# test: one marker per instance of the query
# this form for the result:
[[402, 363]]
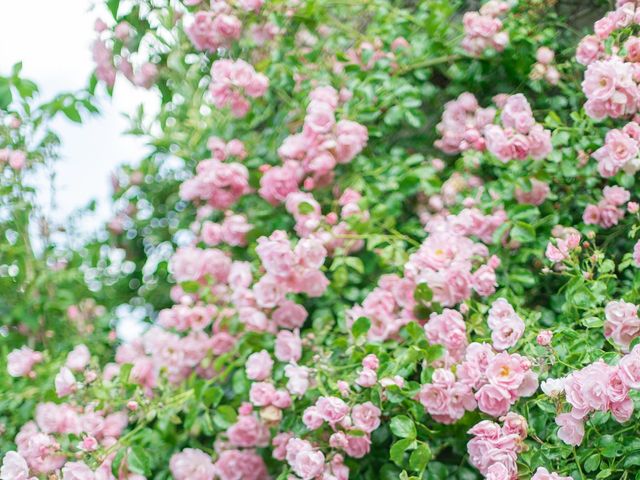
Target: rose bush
[[372, 240]]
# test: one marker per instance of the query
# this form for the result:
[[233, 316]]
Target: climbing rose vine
[[368, 240]]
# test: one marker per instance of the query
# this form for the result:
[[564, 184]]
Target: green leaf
[[523, 232], [632, 460], [592, 322], [592, 463], [604, 473], [138, 461], [415, 331], [305, 208], [355, 263], [361, 326], [16, 69], [396, 452], [113, 5], [403, 427], [72, 113], [225, 416], [423, 293], [117, 461], [125, 370], [420, 457], [212, 396], [434, 352], [5, 93]]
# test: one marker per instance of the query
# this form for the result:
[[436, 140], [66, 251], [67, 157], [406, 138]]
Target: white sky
[[52, 38]]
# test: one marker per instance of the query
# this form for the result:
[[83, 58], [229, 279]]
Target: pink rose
[[629, 369], [289, 315], [571, 429], [367, 378], [262, 394], [544, 474], [65, 382], [14, 467], [298, 379], [545, 55], [366, 417], [544, 338], [308, 464], [589, 49], [505, 371], [288, 347], [311, 418], [332, 409], [191, 464], [506, 326], [371, 361], [20, 362], [259, 365], [77, 471], [78, 358], [493, 400], [248, 432], [622, 324]]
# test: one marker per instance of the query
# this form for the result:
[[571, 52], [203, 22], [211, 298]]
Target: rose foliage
[[370, 239]]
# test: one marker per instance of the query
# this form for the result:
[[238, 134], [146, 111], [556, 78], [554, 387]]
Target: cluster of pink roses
[[307, 461], [445, 260], [466, 126], [221, 150], [592, 47], [536, 195], [20, 362], [544, 474], [620, 151], [218, 183], [494, 449], [160, 350], [498, 379], [388, 307], [232, 231], [519, 136], [103, 57], [483, 29], [597, 387], [289, 269], [333, 231], [77, 361], [233, 81], [621, 324], [607, 212], [146, 74], [611, 89], [565, 241], [40, 452], [214, 28], [16, 159], [232, 464], [310, 156], [197, 264], [611, 79], [183, 317], [462, 125], [543, 67], [490, 381]]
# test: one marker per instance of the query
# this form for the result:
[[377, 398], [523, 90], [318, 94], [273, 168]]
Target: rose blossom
[[571, 429]]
